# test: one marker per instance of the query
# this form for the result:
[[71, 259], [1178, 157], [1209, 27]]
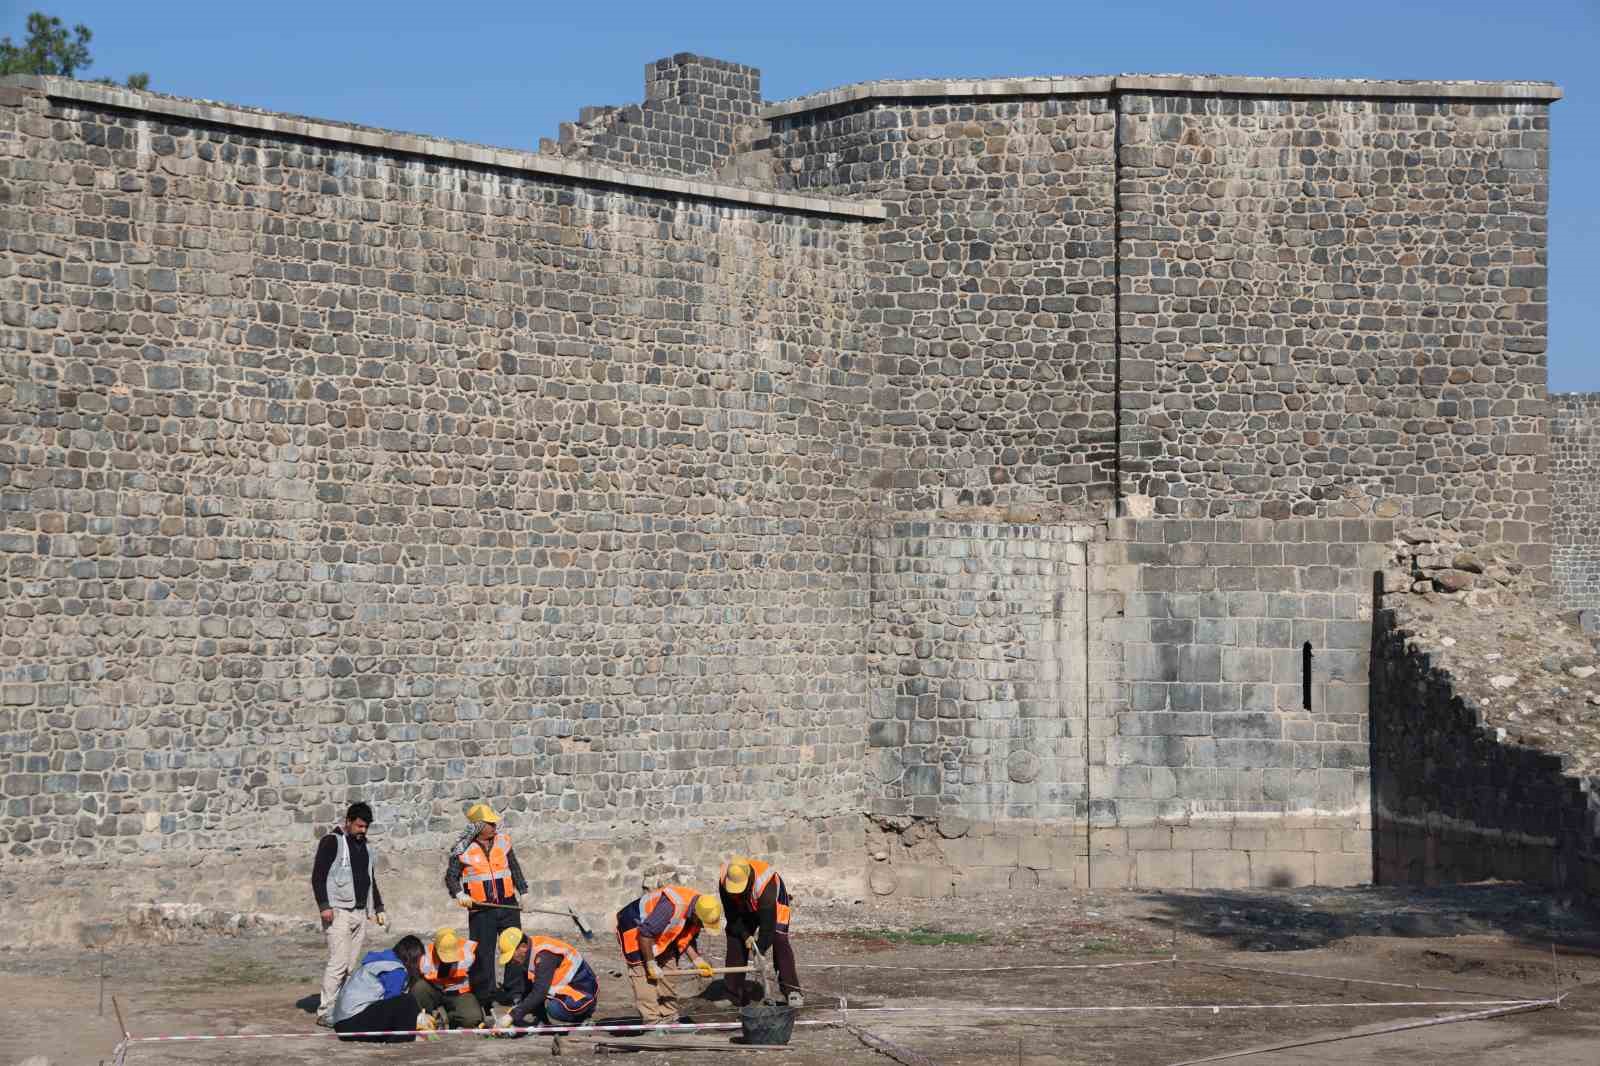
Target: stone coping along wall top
[[435, 148], [1209, 84]]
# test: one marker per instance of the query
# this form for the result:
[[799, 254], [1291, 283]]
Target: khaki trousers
[[461, 1009], [347, 935], [657, 1000]]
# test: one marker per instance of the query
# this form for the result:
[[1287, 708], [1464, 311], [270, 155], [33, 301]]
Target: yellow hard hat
[[738, 877], [447, 944], [482, 812], [709, 910], [507, 946]]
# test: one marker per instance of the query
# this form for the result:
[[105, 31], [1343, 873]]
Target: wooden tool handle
[[666, 973]]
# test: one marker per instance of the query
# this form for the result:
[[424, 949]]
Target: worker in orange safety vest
[[448, 967], [757, 904], [483, 875], [658, 930], [562, 987]]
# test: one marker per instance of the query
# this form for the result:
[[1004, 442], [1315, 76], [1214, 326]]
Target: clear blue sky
[[509, 73]]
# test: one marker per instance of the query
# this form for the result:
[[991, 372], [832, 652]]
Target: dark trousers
[[738, 955], [396, 1012], [485, 924]]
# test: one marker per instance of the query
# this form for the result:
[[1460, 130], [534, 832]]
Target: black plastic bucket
[[767, 1024]]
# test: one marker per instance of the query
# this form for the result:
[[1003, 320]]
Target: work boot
[[796, 999]]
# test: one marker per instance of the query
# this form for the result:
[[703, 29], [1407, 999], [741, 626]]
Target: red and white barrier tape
[[943, 1008]]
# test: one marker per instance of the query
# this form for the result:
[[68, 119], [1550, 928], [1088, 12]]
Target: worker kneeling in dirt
[[377, 997], [447, 980], [562, 988], [656, 931], [756, 902]]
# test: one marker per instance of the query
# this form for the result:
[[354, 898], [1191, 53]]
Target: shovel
[[765, 977], [583, 926]]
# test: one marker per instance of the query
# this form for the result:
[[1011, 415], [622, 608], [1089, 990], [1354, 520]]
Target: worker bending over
[[484, 876], [379, 998], [449, 977], [656, 931], [562, 988], [756, 902]]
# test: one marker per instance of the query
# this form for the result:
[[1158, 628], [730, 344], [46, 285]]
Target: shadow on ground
[[1303, 918]]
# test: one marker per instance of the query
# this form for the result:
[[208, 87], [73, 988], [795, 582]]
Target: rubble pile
[[1532, 670]]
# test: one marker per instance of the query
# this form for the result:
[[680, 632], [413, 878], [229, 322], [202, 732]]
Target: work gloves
[[463, 900], [651, 970], [750, 942], [703, 968], [382, 919]]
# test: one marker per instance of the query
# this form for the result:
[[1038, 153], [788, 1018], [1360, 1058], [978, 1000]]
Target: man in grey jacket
[[344, 879]]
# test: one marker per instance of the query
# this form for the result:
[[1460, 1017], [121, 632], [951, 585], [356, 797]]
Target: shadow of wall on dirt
[[1307, 918]]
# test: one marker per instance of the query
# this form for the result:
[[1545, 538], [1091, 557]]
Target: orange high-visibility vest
[[456, 980], [761, 875], [482, 871], [683, 926], [571, 963]]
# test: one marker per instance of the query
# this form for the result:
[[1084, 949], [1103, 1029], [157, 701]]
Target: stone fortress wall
[[1575, 515], [993, 467]]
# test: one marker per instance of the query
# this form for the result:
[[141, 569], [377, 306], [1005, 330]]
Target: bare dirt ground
[[1462, 945]]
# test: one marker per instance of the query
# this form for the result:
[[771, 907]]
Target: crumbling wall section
[[1478, 771], [697, 113]]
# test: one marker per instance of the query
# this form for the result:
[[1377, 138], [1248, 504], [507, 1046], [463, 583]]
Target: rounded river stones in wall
[[1022, 766]]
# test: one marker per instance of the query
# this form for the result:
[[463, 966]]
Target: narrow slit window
[[1305, 676]]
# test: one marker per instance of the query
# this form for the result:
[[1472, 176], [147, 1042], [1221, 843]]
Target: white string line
[[1345, 980], [530, 1030], [948, 1008], [1173, 960], [993, 969], [1215, 1008], [1398, 1027]]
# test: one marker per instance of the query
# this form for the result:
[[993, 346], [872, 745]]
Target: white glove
[[464, 900]]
